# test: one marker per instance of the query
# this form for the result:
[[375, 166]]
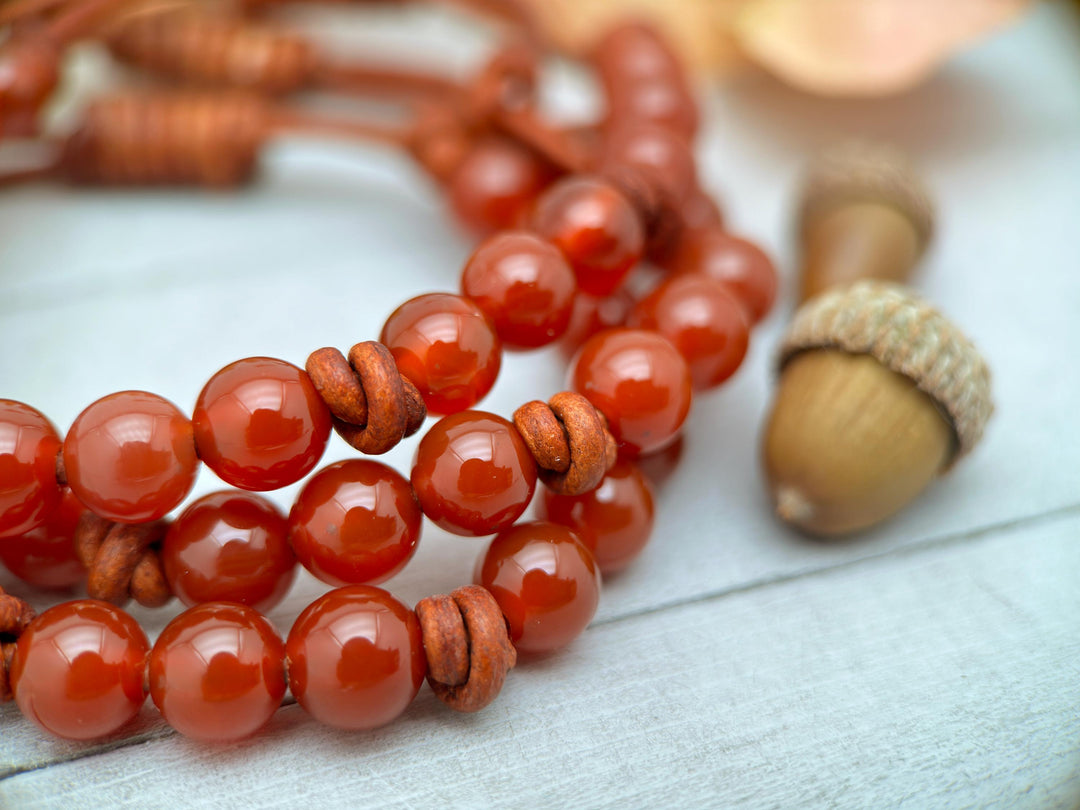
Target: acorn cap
[[906, 335], [860, 173]]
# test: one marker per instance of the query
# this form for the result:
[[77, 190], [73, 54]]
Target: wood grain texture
[[945, 677], [887, 681]]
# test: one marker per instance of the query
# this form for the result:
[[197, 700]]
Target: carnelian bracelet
[[94, 503]]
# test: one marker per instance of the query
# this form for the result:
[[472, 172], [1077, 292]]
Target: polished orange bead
[[260, 424], [595, 227], [229, 546], [700, 211], [640, 382], [545, 581], [78, 669], [496, 185], [45, 556], [447, 347], [29, 73], [130, 457], [662, 153], [644, 80], [217, 672], [740, 265], [614, 521], [703, 320], [356, 659], [658, 101], [473, 473], [355, 522], [592, 314], [524, 285], [28, 489]]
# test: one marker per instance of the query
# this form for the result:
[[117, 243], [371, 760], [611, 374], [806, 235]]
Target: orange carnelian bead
[[355, 522], [664, 154], [78, 669], [640, 382], [29, 73], [45, 556], [592, 314], [260, 424], [217, 672], [130, 457], [614, 521], [447, 347], [703, 320], [735, 262], [473, 473], [496, 185], [356, 659], [524, 285], [545, 581], [28, 489], [595, 227], [644, 80], [229, 546]]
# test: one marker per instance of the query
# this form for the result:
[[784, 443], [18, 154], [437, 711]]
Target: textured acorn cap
[[906, 335], [861, 172]]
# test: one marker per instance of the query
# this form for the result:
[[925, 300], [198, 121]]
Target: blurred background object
[[826, 47]]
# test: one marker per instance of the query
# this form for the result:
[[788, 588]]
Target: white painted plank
[[945, 677]]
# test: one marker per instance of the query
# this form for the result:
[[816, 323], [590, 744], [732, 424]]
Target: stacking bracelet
[[565, 216]]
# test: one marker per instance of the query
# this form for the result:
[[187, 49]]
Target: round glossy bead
[[260, 424], [355, 522], [655, 149], [473, 473], [593, 314], [595, 227], [740, 265], [660, 101], [356, 659], [29, 73], [78, 669], [447, 347], [130, 457], [496, 185], [217, 672], [230, 546], [45, 556], [703, 320], [524, 285], [640, 382], [700, 212], [28, 489], [545, 581], [614, 521]]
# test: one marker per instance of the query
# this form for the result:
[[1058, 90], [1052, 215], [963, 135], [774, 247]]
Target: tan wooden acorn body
[[878, 395], [864, 214]]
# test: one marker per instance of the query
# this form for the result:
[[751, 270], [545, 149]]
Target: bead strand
[[554, 270]]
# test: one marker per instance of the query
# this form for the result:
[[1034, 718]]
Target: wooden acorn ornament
[[878, 395], [864, 214]]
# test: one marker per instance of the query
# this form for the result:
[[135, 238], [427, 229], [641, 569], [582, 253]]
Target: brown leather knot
[[570, 441], [134, 138], [440, 140], [652, 198], [202, 46], [373, 404], [506, 82], [15, 615], [467, 646], [122, 560]]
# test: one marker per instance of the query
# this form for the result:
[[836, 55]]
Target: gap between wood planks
[[977, 533]]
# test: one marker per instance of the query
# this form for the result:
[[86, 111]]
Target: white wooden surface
[[932, 662]]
